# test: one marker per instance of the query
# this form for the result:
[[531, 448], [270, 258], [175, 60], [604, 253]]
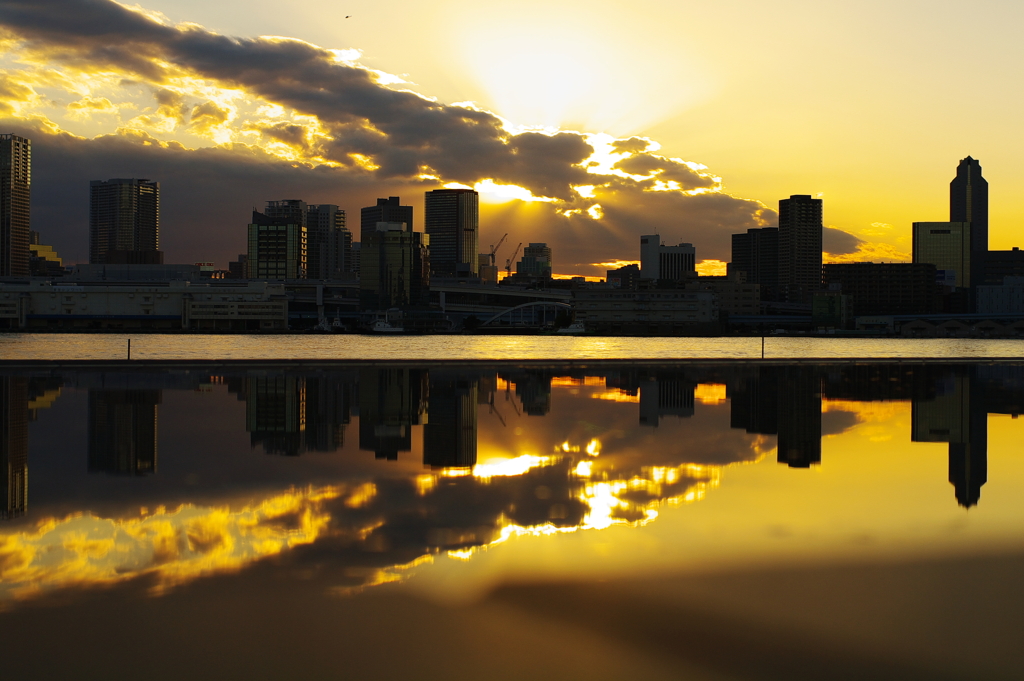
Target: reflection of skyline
[[590, 465]]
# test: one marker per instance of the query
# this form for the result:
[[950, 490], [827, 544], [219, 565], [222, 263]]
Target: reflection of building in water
[[275, 413], [391, 401], [533, 388], [449, 436], [289, 415], [754, 401], [957, 415], [328, 409], [123, 431], [783, 401], [799, 409], [13, 447], [665, 395]]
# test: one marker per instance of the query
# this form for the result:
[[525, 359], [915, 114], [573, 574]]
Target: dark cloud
[[376, 136], [838, 242]]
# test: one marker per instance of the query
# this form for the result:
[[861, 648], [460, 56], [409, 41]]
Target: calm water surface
[[157, 497], [157, 346]]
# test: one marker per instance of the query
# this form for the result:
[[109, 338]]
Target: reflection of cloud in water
[[174, 547]]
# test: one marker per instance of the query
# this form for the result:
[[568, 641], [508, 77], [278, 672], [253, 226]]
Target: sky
[[583, 124]]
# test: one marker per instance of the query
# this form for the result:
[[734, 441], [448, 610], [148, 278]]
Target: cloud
[[837, 241], [337, 118]]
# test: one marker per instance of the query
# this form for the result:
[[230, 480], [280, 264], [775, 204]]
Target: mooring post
[[130, 349], [762, 347]]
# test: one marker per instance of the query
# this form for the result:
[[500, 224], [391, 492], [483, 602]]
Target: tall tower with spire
[[968, 202]]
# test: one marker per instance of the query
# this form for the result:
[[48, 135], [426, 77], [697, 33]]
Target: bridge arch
[[533, 314]]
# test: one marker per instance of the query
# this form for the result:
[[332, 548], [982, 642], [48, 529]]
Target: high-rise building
[[124, 222], [329, 242], [536, 262], [756, 253], [13, 446], [287, 211], [386, 210], [394, 269], [968, 202], [452, 221], [670, 263], [15, 195], [947, 245], [800, 229], [277, 247], [123, 431]]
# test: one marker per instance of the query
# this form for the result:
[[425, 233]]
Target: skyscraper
[[329, 242], [15, 192], [452, 221], [756, 253], [394, 269], [968, 202], [124, 221], [277, 247], [799, 247], [386, 210]]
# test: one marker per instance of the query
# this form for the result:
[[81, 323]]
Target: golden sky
[[584, 124]]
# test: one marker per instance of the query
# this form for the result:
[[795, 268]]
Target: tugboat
[[385, 326]]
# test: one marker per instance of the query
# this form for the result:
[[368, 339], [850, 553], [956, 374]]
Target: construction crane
[[508, 263], [494, 249]]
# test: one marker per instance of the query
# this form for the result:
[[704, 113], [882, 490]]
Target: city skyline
[[630, 191]]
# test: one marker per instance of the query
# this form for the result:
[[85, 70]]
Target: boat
[[574, 329]]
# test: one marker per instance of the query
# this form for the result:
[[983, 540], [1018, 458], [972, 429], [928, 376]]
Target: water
[[265, 522], [355, 347]]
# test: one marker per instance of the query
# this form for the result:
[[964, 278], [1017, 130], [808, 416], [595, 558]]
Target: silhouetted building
[[13, 447], [451, 219], [123, 431], [947, 245], [756, 253], [626, 277], [15, 198], [799, 404], [239, 269], [386, 210], [449, 436], [277, 246], [1002, 264], [394, 269], [957, 415], [536, 262], [665, 263], [800, 230], [124, 222], [968, 202], [886, 288], [391, 402], [287, 211], [275, 413]]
